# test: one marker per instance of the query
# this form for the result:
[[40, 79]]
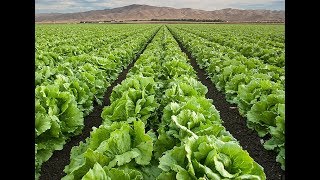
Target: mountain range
[[136, 12]]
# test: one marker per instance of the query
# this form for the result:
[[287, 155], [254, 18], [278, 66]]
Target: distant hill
[[146, 12]]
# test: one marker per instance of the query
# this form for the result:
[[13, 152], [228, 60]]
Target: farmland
[[157, 101]]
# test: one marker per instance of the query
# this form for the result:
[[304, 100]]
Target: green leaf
[[42, 123], [167, 176], [124, 158], [96, 173]]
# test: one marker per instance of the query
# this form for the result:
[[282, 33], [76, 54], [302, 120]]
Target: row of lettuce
[[263, 42], [67, 84], [256, 87], [75, 39], [59, 44], [159, 125]]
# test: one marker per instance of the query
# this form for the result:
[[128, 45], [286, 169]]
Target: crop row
[[271, 35], [70, 40], [257, 88], [248, 43], [65, 91], [160, 126], [49, 60]]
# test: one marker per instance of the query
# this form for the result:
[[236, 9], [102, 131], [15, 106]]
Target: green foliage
[[188, 142], [111, 151], [133, 104], [247, 64], [207, 157], [74, 65]]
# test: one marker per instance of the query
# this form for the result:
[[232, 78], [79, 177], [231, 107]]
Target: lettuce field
[[155, 101]]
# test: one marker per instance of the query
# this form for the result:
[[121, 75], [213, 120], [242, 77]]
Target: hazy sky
[[65, 6]]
